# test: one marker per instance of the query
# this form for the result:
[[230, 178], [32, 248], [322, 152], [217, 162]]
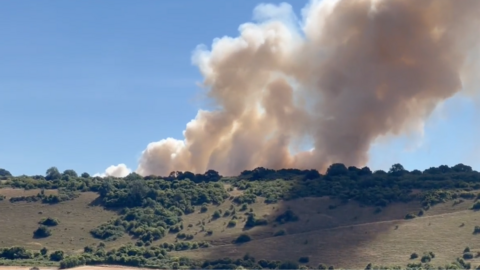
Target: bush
[[467, 255], [203, 209], [42, 232], [476, 206], [232, 223], [280, 233], [252, 221], [2, 197], [425, 259], [476, 230], [243, 238], [216, 214], [413, 256], [49, 222], [57, 256], [410, 216], [288, 216], [303, 260], [467, 249]]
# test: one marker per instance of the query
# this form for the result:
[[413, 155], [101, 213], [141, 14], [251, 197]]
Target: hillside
[[346, 218]]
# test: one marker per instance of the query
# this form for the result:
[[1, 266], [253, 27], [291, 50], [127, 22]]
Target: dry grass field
[[347, 236], [77, 218], [338, 239]]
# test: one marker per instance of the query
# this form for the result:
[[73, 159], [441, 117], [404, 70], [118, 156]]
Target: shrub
[[203, 209], [2, 197], [57, 256], [476, 206], [410, 216], [44, 251], [243, 238], [280, 233], [49, 222], [252, 221], [476, 230], [425, 259], [420, 213], [413, 256], [303, 260], [216, 214], [244, 207], [42, 232], [467, 249], [232, 223], [467, 255], [288, 216]]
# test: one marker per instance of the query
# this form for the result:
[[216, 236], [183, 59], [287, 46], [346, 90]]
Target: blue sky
[[87, 84]]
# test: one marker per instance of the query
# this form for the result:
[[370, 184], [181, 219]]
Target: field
[[77, 218], [385, 238], [346, 235]]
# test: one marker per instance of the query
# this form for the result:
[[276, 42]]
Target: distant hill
[[278, 219]]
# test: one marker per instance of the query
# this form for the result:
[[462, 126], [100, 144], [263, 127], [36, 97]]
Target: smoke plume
[[120, 170], [346, 73]]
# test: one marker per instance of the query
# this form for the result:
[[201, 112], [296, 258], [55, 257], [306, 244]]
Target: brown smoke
[[357, 69]]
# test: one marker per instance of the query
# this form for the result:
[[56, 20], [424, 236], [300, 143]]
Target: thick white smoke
[[348, 72], [120, 170]]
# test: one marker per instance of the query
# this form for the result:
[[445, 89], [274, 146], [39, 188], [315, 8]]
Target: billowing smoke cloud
[[120, 170], [348, 72]]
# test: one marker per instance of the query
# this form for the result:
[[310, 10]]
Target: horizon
[[89, 88]]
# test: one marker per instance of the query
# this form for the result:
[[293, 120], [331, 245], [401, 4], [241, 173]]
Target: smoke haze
[[345, 74]]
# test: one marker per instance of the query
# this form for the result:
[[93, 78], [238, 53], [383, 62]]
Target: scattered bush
[[476, 206], [49, 222], [288, 216], [41, 232], [216, 214], [410, 216], [413, 256], [57, 256], [252, 221], [467, 255], [243, 238]]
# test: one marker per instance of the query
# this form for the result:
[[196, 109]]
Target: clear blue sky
[[88, 84]]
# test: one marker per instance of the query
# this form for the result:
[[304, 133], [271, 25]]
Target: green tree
[[85, 175], [5, 173], [57, 256], [53, 174], [71, 173]]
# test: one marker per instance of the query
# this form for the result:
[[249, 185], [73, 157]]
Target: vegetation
[[49, 222], [151, 207], [42, 232]]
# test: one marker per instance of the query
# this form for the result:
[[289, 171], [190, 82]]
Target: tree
[[57, 256], [5, 173], [53, 174], [397, 169], [212, 176], [85, 175], [337, 169], [71, 173]]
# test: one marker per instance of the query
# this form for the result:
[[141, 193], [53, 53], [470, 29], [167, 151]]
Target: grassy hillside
[[347, 218]]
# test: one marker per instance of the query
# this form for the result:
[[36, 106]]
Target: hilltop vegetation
[[152, 209]]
